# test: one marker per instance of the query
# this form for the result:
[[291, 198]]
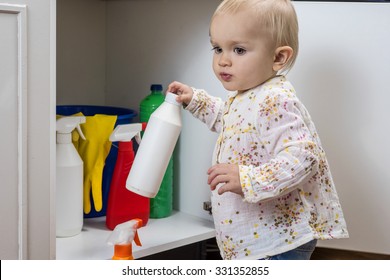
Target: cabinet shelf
[[158, 235]]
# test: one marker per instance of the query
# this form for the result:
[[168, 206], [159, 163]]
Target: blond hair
[[277, 16]]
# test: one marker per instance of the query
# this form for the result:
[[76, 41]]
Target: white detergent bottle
[[156, 148], [69, 179]]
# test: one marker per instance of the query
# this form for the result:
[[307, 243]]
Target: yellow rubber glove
[[93, 151]]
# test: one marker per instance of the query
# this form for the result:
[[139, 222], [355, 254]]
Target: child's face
[[243, 51]]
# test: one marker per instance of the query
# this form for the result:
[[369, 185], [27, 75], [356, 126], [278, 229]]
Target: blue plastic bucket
[[124, 116]]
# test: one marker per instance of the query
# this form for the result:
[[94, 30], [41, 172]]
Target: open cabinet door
[[13, 159], [27, 121]]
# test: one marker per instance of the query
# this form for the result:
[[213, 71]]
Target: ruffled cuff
[[251, 187], [193, 105], [246, 183]]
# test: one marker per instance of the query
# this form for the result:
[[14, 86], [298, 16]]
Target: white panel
[[342, 76], [13, 174]]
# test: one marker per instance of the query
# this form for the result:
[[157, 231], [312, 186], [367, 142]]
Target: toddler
[[272, 191]]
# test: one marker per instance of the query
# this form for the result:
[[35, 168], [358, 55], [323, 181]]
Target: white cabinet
[[109, 53], [338, 67]]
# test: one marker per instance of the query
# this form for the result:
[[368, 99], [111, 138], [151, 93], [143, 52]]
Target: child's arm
[[289, 137]]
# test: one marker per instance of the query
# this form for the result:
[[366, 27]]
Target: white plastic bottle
[[69, 179], [156, 148]]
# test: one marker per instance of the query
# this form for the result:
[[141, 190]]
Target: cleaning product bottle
[[124, 205], [161, 204], [122, 238], [69, 179], [155, 152], [151, 102]]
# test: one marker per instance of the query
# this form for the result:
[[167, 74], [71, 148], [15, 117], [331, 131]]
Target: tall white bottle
[[156, 148], [69, 179]]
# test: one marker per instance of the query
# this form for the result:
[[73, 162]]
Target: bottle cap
[[171, 98], [156, 87], [123, 252]]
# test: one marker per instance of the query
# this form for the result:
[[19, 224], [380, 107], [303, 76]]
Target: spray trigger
[[65, 126], [137, 241], [80, 132], [122, 237], [126, 132]]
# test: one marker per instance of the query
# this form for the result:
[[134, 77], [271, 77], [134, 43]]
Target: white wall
[[155, 41], [342, 76], [81, 52]]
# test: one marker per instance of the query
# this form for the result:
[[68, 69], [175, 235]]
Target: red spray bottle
[[124, 205]]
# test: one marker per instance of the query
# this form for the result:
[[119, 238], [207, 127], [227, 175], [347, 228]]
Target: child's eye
[[239, 51], [217, 50]]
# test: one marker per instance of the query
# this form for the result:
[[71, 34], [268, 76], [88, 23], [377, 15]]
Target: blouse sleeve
[[206, 108], [282, 124]]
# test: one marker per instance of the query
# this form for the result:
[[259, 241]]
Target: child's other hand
[[225, 173], [184, 92]]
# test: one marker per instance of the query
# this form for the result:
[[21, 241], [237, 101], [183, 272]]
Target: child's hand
[[225, 173], [184, 92]]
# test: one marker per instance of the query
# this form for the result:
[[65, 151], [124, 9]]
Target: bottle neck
[[123, 252], [171, 98], [125, 146], [64, 138]]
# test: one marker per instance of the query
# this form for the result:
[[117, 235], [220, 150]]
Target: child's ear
[[281, 57]]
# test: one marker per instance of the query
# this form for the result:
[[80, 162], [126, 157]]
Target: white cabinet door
[[13, 137], [27, 121]]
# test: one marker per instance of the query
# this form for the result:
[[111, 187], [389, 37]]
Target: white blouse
[[289, 195]]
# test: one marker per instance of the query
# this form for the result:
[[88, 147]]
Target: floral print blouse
[[289, 195]]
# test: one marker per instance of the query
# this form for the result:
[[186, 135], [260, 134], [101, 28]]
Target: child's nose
[[224, 60]]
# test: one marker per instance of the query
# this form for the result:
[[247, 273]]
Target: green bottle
[[161, 205]]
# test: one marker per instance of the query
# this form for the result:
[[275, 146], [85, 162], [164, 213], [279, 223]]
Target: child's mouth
[[225, 76]]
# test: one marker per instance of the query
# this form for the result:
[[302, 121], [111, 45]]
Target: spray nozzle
[[126, 132], [122, 237], [66, 125]]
